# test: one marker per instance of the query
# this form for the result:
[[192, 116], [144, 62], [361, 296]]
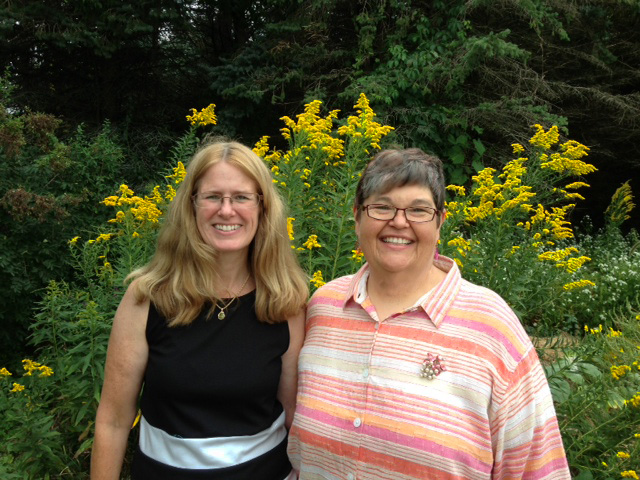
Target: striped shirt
[[450, 388]]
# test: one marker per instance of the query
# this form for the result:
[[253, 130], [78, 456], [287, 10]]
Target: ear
[[443, 217]]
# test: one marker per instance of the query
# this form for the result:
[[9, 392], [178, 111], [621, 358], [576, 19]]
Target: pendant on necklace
[[221, 315]]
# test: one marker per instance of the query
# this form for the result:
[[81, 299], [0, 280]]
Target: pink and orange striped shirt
[[368, 410]]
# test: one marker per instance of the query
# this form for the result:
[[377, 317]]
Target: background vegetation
[[508, 230]]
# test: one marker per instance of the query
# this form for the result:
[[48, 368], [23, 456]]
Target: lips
[[397, 240], [226, 228]]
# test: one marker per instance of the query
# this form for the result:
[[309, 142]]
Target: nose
[[400, 219], [226, 207]]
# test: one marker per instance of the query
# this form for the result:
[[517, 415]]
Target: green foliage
[[615, 269], [511, 232], [49, 190], [494, 231], [595, 387]]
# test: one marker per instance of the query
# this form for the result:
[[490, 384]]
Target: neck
[[402, 289], [232, 273]]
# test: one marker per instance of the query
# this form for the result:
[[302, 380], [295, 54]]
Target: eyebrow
[[417, 202], [235, 192]]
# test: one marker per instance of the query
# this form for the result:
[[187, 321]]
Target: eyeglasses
[[389, 212], [215, 200]]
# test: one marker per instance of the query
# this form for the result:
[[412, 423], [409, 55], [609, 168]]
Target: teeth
[[401, 241], [227, 228]]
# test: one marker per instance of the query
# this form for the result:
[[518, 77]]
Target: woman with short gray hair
[[409, 371]]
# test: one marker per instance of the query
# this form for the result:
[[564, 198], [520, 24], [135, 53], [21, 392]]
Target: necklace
[[222, 315]]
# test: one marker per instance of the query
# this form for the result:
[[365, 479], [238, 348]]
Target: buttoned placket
[[360, 420]]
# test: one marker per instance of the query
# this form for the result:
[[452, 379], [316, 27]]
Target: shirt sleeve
[[524, 429]]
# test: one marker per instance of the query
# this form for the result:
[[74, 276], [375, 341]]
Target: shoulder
[[489, 322], [296, 327], [134, 307], [335, 289]]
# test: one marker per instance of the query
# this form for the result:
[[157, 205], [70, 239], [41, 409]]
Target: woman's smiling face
[[397, 245], [228, 228]]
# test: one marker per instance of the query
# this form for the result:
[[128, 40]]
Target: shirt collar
[[435, 303]]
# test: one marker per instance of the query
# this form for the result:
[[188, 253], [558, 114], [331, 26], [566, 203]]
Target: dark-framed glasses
[[215, 200], [380, 211]]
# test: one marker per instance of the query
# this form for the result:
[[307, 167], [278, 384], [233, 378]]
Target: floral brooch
[[432, 367]]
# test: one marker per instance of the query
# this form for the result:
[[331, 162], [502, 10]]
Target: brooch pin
[[432, 367]]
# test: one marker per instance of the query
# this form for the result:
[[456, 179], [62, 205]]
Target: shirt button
[[365, 373], [377, 326], [351, 476], [357, 422]]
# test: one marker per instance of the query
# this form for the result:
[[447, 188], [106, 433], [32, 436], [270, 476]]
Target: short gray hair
[[391, 169]]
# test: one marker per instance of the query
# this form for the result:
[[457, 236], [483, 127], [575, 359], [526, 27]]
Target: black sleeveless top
[[214, 378]]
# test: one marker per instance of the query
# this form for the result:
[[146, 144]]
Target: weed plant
[[509, 230]]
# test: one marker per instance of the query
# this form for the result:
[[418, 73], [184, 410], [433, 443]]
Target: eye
[[242, 197], [213, 197], [421, 211], [383, 208]]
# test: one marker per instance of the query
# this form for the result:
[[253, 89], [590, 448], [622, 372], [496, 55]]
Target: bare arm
[[288, 386], [124, 370]]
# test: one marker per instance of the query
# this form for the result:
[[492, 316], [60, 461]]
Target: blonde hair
[[182, 276]]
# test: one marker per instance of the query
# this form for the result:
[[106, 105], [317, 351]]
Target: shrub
[[499, 238]]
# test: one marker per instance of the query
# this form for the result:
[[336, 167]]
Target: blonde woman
[[209, 331]]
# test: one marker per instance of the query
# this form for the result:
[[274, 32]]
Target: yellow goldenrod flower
[[5, 373], [312, 242], [614, 333], [317, 279], [578, 284], [634, 401], [623, 455], [629, 474], [262, 146], [290, 221], [103, 237], [137, 419], [358, 255], [619, 371], [30, 366], [544, 139], [458, 190], [16, 388], [517, 148], [45, 371], [205, 117], [576, 185], [364, 126], [179, 172], [74, 240]]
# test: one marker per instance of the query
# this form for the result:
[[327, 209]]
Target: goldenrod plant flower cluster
[[510, 230], [312, 242], [508, 218], [31, 369], [314, 131], [204, 117], [317, 279], [364, 126], [318, 174]]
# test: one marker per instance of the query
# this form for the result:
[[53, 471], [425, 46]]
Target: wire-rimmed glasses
[[412, 214], [215, 200]]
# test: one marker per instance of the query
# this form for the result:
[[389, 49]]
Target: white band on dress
[[218, 452]]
